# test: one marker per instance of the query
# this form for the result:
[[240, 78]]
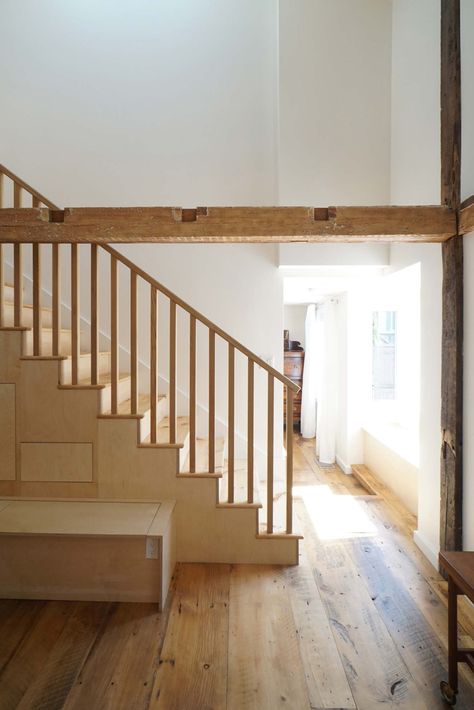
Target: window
[[384, 333]]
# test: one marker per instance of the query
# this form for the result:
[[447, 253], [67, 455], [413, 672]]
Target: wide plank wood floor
[[360, 623]]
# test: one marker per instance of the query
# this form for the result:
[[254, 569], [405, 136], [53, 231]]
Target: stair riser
[[123, 393], [85, 367], [26, 317], [145, 423], [47, 342]]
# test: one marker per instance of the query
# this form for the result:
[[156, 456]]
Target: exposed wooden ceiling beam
[[466, 216], [229, 224]]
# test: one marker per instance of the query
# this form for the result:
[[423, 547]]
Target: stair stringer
[[206, 532], [124, 469]]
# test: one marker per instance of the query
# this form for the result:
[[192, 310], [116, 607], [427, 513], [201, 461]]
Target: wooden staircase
[[83, 422]]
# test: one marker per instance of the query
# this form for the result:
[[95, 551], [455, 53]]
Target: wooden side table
[[459, 567]]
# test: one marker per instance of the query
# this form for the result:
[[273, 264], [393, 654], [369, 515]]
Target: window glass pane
[[384, 332]]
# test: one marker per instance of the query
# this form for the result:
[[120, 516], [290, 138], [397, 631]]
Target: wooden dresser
[[294, 364]]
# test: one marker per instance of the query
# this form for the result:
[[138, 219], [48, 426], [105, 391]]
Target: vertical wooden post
[[133, 344], [289, 460], [75, 315], [250, 417], [2, 279], [452, 335], [94, 317], [17, 284], [153, 363], [452, 397], [56, 273], [114, 333], [36, 299], [172, 402], [192, 394], [2, 182], [16, 195], [212, 401], [231, 425], [270, 447]]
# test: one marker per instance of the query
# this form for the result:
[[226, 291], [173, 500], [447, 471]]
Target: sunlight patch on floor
[[334, 517]]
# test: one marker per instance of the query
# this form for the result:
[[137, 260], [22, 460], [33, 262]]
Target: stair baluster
[[192, 394], [250, 430], [153, 363], [17, 284], [289, 460], [114, 334], [133, 344], [75, 315], [212, 401], [56, 276], [2, 280], [270, 447], [94, 317], [172, 379], [36, 299], [231, 425]]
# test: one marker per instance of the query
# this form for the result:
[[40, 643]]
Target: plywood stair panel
[[88, 550], [127, 468]]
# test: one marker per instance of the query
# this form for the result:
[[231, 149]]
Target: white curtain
[[326, 378], [310, 373]]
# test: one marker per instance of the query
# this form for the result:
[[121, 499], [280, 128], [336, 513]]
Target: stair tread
[[46, 309], [105, 379], [88, 355], [143, 404]]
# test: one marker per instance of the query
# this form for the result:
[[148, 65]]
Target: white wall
[[467, 88], [468, 434], [334, 100], [415, 123], [429, 257], [334, 255], [141, 103]]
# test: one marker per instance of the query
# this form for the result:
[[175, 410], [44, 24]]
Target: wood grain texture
[[335, 632], [192, 394], [7, 432], [466, 218], [250, 431], [452, 397], [193, 664], [94, 357], [232, 224], [37, 299], [450, 103], [56, 461], [212, 401], [265, 669]]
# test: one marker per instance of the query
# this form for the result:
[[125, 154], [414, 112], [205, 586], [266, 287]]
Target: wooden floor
[[360, 623]]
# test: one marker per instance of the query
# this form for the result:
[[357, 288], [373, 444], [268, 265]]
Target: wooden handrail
[[201, 318], [117, 384], [37, 196]]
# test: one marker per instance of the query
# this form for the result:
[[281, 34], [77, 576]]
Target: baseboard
[[429, 552], [343, 465]]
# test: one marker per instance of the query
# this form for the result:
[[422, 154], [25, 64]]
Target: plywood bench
[[86, 550]]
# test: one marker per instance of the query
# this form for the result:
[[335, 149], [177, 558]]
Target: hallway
[[362, 621]]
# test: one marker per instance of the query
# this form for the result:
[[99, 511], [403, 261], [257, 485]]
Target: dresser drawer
[[294, 363]]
